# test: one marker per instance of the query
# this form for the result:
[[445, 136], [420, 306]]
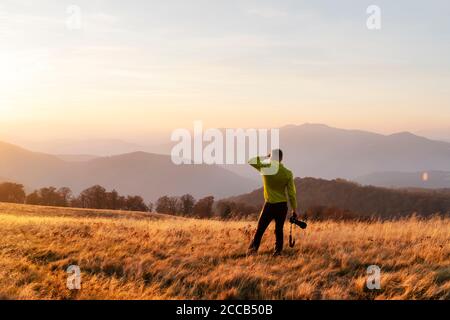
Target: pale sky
[[136, 68]]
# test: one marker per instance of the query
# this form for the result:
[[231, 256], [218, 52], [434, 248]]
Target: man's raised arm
[[257, 163]]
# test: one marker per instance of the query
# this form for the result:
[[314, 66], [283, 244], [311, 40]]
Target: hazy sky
[[140, 67]]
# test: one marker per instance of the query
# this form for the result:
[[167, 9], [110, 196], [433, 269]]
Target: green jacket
[[276, 182]]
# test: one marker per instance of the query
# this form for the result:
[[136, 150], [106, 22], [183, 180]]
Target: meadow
[[133, 255]]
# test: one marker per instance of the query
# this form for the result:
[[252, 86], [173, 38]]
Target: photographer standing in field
[[278, 181]]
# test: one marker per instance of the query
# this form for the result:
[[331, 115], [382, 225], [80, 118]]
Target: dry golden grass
[[142, 256]]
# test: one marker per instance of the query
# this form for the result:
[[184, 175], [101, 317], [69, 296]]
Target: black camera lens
[[299, 223]]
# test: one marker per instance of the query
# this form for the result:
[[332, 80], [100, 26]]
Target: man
[[277, 180]]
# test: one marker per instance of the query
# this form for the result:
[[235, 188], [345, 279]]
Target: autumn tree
[[94, 198], [12, 193], [203, 207], [50, 196], [135, 203], [224, 209], [168, 205], [66, 195], [115, 201], [187, 203]]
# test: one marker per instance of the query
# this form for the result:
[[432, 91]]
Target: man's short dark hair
[[277, 154]]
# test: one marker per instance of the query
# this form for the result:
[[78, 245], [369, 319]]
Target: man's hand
[[294, 214]]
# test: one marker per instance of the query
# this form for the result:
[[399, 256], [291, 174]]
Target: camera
[[299, 223]]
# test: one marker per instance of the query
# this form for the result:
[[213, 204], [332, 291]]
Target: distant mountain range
[[97, 147], [77, 157], [140, 173], [321, 151], [423, 179], [315, 150]]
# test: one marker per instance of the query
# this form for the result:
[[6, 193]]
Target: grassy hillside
[[359, 201], [149, 256]]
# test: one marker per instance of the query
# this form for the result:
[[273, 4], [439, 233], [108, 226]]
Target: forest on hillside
[[317, 199], [342, 199]]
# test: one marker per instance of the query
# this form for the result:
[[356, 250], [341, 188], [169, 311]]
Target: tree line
[[97, 197], [318, 199], [204, 208]]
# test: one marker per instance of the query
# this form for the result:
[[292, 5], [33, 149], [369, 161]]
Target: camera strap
[[291, 238]]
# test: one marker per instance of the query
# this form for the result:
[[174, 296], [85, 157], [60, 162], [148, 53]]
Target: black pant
[[271, 211]]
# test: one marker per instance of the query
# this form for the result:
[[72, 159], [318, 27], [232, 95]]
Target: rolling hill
[[31, 168], [76, 157], [356, 200], [140, 173]]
